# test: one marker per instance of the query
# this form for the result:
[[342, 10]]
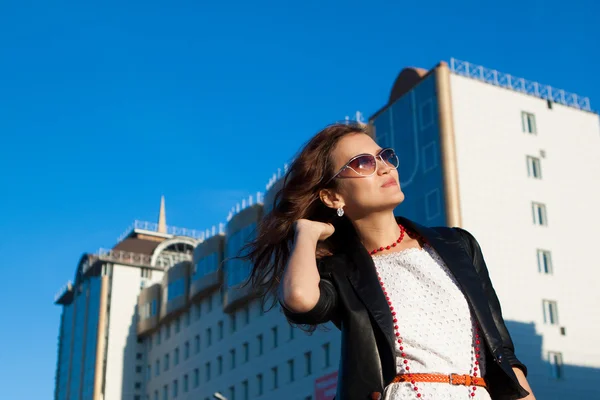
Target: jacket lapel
[[460, 264]]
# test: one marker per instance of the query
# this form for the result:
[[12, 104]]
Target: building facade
[[165, 315]]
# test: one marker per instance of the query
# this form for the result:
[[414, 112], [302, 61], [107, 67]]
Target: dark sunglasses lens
[[363, 165], [389, 156]]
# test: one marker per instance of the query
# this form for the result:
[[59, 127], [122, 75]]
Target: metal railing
[[66, 287], [517, 84], [171, 230]]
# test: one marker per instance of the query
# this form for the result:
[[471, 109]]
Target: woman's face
[[361, 195]]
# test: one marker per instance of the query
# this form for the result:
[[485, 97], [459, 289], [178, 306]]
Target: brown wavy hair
[[299, 198]]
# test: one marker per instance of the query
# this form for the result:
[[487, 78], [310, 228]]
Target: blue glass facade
[[206, 265], [78, 340], [237, 270], [176, 289], [411, 126]]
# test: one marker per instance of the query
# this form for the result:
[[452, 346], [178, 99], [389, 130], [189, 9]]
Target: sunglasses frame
[[376, 156]]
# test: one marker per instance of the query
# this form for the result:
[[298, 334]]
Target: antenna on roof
[[162, 217]]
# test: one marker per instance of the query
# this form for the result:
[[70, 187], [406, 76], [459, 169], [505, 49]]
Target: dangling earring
[[340, 212]]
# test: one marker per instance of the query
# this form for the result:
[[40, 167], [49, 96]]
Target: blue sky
[[104, 108]]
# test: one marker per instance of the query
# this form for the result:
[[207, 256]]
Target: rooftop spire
[[162, 216]]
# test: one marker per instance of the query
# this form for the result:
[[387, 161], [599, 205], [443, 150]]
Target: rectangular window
[[259, 384], [207, 371], [544, 259], [198, 310], [292, 332], [149, 372], [166, 366], [156, 395], [209, 304], [157, 368], [167, 331], [137, 385], [232, 355], [208, 337], [220, 330], [540, 216], [139, 356], [185, 384], [138, 369], [232, 323], [260, 344], [186, 350], [187, 318], [528, 122], [275, 374], [196, 377], [166, 392], [291, 370], [308, 363], [197, 344], [550, 312], [231, 393], [556, 364], [534, 167], [177, 325], [326, 356], [176, 357], [246, 315], [246, 349], [274, 333], [175, 388], [245, 391], [219, 365]]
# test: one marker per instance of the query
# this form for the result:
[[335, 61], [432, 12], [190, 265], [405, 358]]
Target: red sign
[[326, 386]]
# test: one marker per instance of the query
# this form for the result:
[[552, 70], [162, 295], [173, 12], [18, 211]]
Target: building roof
[[137, 245]]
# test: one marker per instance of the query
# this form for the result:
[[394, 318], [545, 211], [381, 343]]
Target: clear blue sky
[[103, 108]]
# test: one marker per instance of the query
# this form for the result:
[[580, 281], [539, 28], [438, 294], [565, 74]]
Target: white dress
[[434, 322]]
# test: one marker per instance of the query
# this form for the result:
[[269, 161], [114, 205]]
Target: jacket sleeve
[[494, 303], [326, 308]]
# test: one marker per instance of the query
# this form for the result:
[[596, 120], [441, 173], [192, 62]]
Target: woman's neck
[[377, 230]]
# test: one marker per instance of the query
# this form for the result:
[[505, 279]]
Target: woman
[[418, 315]]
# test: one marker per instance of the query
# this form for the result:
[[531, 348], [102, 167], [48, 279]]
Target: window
[[429, 155], [528, 122], [165, 392], [208, 337], [550, 312], [157, 368], [175, 388], [197, 343], [139, 356], [187, 318], [149, 372], [176, 289], [231, 393], [166, 366], [137, 385], [145, 272], [177, 325], [246, 315], [275, 374], [326, 357], [220, 328], [219, 365], [308, 363], [209, 303], [291, 370], [556, 364], [539, 214], [426, 114], [158, 337], [167, 331], [259, 384], [534, 167], [232, 356], [544, 262], [245, 390], [186, 350], [156, 395], [246, 348], [176, 357], [232, 323], [291, 332], [198, 310], [207, 371], [196, 377], [260, 344], [309, 397], [185, 383], [138, 369], [274, 332]]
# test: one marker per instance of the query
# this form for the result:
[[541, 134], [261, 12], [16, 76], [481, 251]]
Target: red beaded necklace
[[406, 368], [402, 230]]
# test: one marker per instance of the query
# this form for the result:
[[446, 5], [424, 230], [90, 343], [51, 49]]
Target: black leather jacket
[[352, 299]]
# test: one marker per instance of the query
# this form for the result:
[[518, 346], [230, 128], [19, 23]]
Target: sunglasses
[[366, 164]]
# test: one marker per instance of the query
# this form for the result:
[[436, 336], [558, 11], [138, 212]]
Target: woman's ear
[[331, 199]]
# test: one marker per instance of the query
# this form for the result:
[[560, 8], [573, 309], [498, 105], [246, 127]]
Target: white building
[[517, 163], [162, 316]]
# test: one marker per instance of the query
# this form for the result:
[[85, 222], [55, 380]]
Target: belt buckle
[[452, 380]]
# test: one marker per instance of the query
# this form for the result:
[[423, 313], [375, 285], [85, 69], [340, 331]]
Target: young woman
[[418, 315]]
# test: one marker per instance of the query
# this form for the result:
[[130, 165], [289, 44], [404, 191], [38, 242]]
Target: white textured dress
[[435, 324]]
